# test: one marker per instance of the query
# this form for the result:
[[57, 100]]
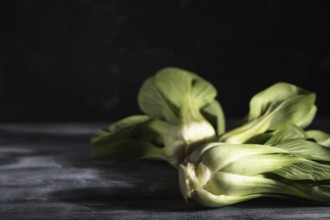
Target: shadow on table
[[148, 189], [106, 199], [142, 185]]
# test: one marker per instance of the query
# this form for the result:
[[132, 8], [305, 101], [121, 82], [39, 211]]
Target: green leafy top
[[279, 105], [181, 114], [170, 90]]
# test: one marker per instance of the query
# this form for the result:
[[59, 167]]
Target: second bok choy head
[[221, 174], [277, 106], [180, 113]]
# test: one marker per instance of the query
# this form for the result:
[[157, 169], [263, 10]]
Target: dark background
[[85, 60]]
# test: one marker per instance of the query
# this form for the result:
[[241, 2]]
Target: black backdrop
[[85, 60]]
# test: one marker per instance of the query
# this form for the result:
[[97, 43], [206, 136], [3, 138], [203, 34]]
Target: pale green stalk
[[221, 174]]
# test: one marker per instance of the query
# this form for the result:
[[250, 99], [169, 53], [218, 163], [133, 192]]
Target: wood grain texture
[[46, 173]]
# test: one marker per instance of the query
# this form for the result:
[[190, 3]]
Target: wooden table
[[46, 173]]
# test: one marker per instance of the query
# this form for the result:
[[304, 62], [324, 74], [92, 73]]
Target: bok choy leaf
[[277, 106], [181, 113]]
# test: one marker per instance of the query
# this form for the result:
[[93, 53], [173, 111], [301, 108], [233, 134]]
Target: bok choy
[[275, 107], [270, 155], [180, 112], [221, 174]]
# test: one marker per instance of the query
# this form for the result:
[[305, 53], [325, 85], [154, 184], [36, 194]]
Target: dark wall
[[85, 60]]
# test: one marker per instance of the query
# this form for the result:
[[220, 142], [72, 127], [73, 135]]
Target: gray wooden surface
[[46, 173]]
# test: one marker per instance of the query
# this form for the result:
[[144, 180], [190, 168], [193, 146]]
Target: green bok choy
[[221, 174], [270, 155], [275, 107], [181, 112]]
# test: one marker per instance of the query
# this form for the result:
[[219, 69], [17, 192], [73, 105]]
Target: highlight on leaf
[[320, 137]]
